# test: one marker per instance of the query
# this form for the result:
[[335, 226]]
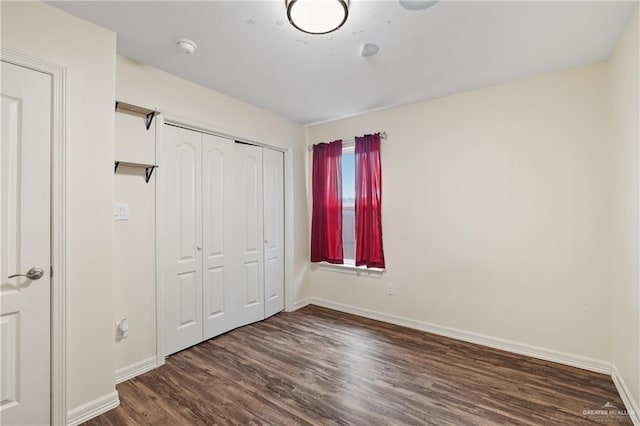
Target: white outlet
[[391, 289]]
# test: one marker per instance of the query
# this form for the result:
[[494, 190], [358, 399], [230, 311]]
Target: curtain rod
[[383, 135]]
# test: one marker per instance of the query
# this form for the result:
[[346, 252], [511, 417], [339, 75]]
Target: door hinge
[[51, 272]]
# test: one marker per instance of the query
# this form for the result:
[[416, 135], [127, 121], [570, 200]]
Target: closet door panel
[[220, 303], [273, 231], [251, 205], [187, 175], [188, 299], [252, 283], [215, 306], [250, 230], [181, 250]]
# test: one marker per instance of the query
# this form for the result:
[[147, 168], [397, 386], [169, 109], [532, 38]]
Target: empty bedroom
[[320, 212]]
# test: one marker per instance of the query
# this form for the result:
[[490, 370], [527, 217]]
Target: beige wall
[[88, 53], [625, 92], [134, 245], [134, 278], [495, 213]]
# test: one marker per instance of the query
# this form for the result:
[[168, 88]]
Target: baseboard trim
[[572, 360], [630, 404], [93, 408], [133, 370], [299, 304]]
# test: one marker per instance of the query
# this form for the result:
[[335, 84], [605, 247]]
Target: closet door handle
[[198, 248]]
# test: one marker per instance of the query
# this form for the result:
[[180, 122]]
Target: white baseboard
[[133, 370], [572, 360], [630, 404], [299, 304], [93, 408]]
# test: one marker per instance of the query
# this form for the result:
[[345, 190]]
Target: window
[[346, 224], [349, 205]]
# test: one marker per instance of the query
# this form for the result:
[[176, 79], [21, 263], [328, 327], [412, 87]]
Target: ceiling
[[248, 49]]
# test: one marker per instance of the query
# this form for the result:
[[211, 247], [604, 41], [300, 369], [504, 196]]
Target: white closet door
[[182, 237], [273, 166], [220, 300], [250, 231]]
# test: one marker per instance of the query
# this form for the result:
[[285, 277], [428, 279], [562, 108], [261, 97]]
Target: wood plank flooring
[[321, 367]]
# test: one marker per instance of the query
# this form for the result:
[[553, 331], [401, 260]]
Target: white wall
[[134, 266], [88, 53], [495, 213], [625, 286]]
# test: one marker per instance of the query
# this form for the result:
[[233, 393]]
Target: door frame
[[177, 120], [58, 340]]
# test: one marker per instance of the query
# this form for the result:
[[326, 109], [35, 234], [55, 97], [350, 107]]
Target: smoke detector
[[417, 4], [186, 45], [369, 49]]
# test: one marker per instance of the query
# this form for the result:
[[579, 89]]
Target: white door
[[249, 225], [181, 257], [221, 301], [25, 249], [273, 165]]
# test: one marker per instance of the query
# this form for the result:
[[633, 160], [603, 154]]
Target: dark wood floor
[[321, 367]]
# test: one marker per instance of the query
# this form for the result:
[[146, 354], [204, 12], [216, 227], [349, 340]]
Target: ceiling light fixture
[[317, 16], [417, 4]]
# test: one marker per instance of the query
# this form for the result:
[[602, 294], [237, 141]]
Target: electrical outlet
[[391, 289]]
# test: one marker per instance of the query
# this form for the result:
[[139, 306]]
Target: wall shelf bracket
[[149, 118]]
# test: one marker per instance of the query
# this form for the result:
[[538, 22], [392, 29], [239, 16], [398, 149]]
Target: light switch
[[120, 211]]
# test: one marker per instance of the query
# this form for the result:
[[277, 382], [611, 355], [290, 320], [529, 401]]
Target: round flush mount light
[[186, 45], [317, 16], [417, 4]]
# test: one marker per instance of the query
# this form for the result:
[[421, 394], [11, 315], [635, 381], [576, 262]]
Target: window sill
[[350, 269]]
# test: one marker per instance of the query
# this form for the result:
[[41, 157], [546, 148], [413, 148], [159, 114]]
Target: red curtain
[[369, 250], [326, 220]]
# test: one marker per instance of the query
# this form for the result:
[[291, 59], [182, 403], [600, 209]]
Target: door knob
[[33, 274]]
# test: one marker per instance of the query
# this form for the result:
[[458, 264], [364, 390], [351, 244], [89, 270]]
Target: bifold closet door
[[222, 235], [249, 231], [181, 251], [199, 256], [221, 296], [273, 167]]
